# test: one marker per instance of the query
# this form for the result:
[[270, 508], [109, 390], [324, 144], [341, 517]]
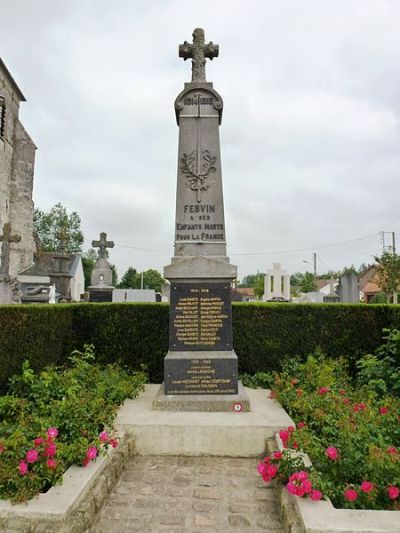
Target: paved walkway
[[189, 494]]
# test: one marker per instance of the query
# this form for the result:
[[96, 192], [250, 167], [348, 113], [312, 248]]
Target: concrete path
[[189, 494]]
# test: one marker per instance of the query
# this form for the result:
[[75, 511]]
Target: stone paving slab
[[190, 494]]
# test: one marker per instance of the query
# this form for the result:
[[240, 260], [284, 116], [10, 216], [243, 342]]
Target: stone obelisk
[[201, 368]]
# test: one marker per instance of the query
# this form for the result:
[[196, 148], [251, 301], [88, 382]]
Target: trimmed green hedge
[[264, 334]]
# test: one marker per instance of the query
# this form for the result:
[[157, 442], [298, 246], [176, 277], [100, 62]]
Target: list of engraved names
[[200, 317]]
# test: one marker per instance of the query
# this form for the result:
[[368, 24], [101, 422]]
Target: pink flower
[[104, 436], [392, 450], [38, 441], [384, 410], [301, 425], [332, 453], [307, 486], [367, 486], [294, 381], [346, 401], [350, 495], [1, 448], [23, 468], [342, 392], [284, 435], [52, 433], [291, 488], [278, 455], [271, 470], [114, 443], [323, 390], [50, 450], [32, 456], [51, 463], [91, 453], [85, 462], [393, 492], [316, 495], [291, 429]]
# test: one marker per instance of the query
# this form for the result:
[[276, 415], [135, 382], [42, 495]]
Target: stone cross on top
[[6, 239], [198, 51], [62, 237], [103, 244]]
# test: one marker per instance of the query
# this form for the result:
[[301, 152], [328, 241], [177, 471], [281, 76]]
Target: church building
[[17, 159]]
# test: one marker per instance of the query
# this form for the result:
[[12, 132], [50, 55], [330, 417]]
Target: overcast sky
[[310, 136]]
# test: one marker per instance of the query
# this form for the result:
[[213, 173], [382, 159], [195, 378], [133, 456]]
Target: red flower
[[367, 486], [113, 443], [346, 401], [50, 450], [299, 393], [323, 390], [52, 433], [272, 394], [350, 495], [294, 381], [301, 425], [51, 463], [393, 492], [1, 448], [38, 441], [332, 453], [32, 456], [284, 435], [278, 455], [316, 495], [384, 410], [23, 468], [392, 450], [342, 392]]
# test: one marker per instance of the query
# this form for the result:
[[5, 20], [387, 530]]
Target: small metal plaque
[[200, 316]]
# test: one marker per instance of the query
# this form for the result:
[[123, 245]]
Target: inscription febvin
[[200, 317]]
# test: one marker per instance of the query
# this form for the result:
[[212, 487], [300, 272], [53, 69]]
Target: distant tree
[[132, 279], [48, 225], [308, 283], [254, 281], [388, 274], [88, 261]]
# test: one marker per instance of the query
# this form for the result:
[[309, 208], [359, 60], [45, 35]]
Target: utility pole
[[315, 264], [394, 253]]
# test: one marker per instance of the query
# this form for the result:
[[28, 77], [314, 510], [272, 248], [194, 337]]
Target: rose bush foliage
[[59, 417]]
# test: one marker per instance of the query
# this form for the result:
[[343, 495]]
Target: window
[[2, 117]]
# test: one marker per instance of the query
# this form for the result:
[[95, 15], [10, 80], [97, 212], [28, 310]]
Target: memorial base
[[210, 403]]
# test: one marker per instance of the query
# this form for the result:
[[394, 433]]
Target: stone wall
[[17, 158]]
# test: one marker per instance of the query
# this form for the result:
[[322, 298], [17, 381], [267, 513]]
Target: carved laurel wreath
[[197, 180]]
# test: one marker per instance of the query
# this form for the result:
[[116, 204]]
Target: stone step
[[233, 434]]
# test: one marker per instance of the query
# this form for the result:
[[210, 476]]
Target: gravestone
[[60, 266], [348, 289], [332, 297], [9, 287], [276, 284], [101, 287], [201, 367]]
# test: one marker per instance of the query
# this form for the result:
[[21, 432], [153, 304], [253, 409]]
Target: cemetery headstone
[[101, 287], [332, 297], [276, 284], [348, 289], [201, 367]]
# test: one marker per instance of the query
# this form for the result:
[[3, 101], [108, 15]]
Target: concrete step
[[233, 434]]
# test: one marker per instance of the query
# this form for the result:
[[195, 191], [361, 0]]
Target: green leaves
[[48, 225]]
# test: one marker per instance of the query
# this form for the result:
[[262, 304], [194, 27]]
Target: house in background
[[243, 294], [368, 284]]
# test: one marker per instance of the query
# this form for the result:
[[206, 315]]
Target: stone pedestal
[[101, 288]]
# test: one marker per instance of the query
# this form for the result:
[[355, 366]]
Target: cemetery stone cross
[[62, 237], [103, 244], [6, 239], [198, 51]]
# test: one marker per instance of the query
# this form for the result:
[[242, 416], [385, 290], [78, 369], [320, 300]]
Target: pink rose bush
[[351, 436]]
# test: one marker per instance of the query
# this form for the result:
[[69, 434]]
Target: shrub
[[352, 436], [56, 418]]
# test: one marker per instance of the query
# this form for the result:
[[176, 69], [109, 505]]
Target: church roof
[[13, 83]]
